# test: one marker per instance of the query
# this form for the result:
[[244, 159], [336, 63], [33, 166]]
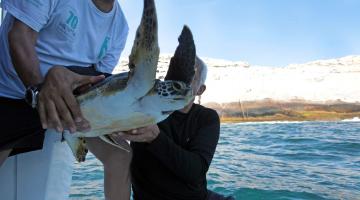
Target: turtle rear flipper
[[77, 146]]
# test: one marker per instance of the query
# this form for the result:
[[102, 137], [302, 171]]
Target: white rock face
[[322, 80]]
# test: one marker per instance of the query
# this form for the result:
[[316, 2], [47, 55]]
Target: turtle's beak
[[187, 91]]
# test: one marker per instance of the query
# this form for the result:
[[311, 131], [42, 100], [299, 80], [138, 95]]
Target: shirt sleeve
[[34, 13], [193, 163], [112, 56]]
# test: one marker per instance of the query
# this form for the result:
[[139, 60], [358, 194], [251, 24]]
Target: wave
[[355, 119], [271, 122]]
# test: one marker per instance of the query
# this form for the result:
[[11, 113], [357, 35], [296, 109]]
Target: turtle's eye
[[177, 86]]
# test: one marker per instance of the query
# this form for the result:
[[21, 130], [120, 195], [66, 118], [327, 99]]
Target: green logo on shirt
[[104, 47], [72, 20]]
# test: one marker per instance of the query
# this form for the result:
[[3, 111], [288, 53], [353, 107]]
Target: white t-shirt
[[71, 33]]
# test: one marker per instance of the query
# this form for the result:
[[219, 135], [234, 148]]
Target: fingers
[[144, 134], [53, 119], [83, 126], [137, 131], [134, 131], [57, 105], [134, 138], [73, 106], [75, 115], [42, 114], [96, 79], [65, 115], [82, 80], [82, 89], [83, 83]]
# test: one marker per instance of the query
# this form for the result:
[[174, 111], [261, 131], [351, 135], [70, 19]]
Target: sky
[[261, 32]]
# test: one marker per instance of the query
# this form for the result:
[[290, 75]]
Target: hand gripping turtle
[[136, 99]]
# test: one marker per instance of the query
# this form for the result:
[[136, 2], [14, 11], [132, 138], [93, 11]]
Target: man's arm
[[57, 105], [22, 40], [189, 165]]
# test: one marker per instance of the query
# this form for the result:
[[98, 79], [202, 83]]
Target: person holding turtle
[[170, 159], [39, 40]]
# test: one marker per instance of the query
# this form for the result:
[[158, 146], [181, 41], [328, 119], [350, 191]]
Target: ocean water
[[270, 161]]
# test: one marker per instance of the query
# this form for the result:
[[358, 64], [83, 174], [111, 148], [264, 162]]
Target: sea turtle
[[135, 99]]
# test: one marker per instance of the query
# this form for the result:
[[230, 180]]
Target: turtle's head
[[173, 95], [175, 90]]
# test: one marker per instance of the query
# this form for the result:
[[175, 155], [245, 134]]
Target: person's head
[[198, 83]]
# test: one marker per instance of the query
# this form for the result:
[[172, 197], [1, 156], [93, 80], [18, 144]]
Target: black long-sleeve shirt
[[174, 165]]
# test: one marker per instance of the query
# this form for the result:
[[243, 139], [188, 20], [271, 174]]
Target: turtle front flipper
[[182, 63], [145, 53], [77, 146]]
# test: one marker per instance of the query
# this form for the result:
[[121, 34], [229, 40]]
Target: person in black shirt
[[170, 160]]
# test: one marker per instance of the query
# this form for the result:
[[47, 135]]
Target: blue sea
[[270, 161]]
